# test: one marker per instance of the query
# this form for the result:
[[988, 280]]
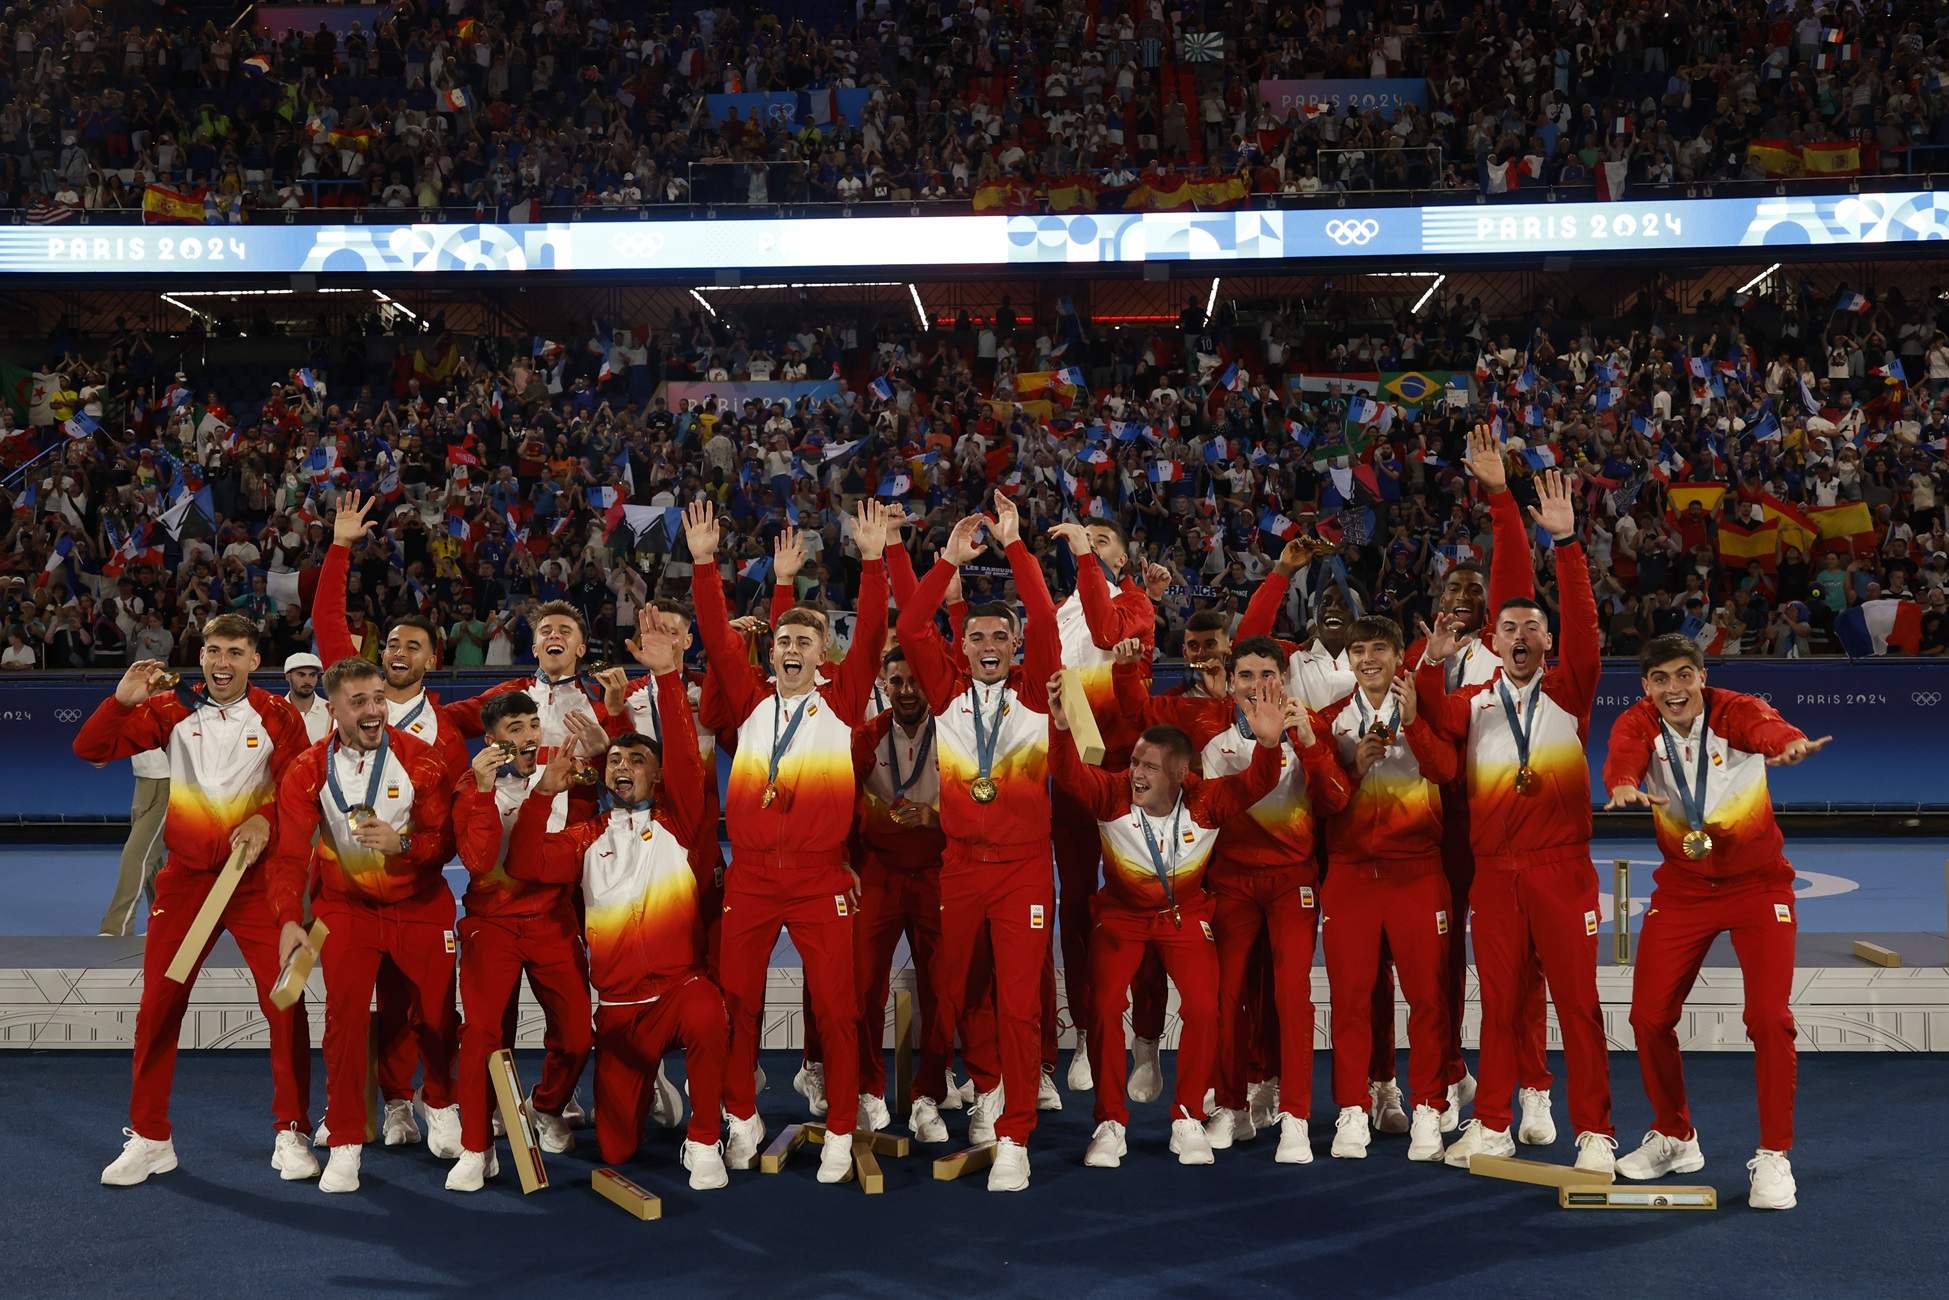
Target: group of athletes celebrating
[[1354, 791]]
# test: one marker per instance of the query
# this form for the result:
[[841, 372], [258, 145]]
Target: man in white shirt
[[142, 851], [302, 671]]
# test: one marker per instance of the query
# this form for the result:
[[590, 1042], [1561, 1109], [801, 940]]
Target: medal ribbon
[[1519, 729], [985, 742], [1692, 799], [779, 744], [413, 714], [901, 784], [1393, 723], [1157, 854], [372, 785]]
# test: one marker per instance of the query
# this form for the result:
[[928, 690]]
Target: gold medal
[[166, 680], [1697, 844], [359, 814], [1525, 779], [770, 795], [983, 790], [584, 775]]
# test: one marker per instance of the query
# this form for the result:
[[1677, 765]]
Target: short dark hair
[[1123, 538], [993, 609], [670, 605], [563, 608], [1262, 646], [1464, 566], [231, 627], [1518, 602], [1208, 620], [637, 740], [892, 657], [418, 622], [805, 616], [349, 669], [1664, 649], [1171, 740], [1376, 627], [508, 704]]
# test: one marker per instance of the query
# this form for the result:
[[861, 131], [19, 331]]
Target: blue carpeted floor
[[224, 1225]]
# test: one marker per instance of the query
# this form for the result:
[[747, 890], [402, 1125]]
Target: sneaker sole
[[1305, 1159], [1429, 1158], [159, 1169]]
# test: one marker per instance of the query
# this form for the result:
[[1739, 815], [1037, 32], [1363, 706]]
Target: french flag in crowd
[[1526, 380], [1128, 430], [1767, 429], [1699, 368], [1165, 471], [756, 570], [1074, 487], [1540, 457], [178, 395], [1278, 525], [1217, 450], [257, 66], [1807, 400], [897, 485], [609, 500], [1892, 370], [305, 378], [1363, 409], [1096, 458], [322, 462], [55, 559], [1072, 376], [881, 389], [1852, 303], [1875, 627], [81, 425]]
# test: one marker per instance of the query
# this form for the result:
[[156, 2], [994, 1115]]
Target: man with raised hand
[[1697, 756], [789, 808], [1524, 735], [991, 743]]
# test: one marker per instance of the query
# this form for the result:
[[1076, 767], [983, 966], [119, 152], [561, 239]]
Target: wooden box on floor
[[524, 1143], [1652, 1196], [629, 1197], [1534, 1171]]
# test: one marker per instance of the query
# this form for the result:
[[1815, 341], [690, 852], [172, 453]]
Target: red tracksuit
[[996, 899], [377, 907], [706, 855], [899, 891], [1136, 913], [510, 927], [1385, 892], [1535, 892], [1743, 886], [224, 764], [640, 899], [788, 856], [1474, 663], [420, 718], [1090, 624]]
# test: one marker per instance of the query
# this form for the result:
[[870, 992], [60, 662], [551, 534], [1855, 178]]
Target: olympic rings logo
[[67, 715], [1927, 699], [1352, 232], [1767, 696]]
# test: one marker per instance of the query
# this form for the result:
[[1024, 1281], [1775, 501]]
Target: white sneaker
[[955, 1097], [1660, 1155], [836, 1158], [1477, 1141], [741, 1147], [442, 1130], [471, 1172], [1080, 1079], [342, 1170], [1010, 1172], [1295, 1143], [577, 1118], [1107, 1146], [757, 1079], [872, 1115], [1384, 1107], [1227, 1126], [666, 1103], [1772, 1181], [1597, 1154], [1535, 1128], [1452, 1117], [1188, 1142], [705, 1161], [140, 1157], [924, 1121], [810, 1083], [291, 1157], [1047, 1095], [1463, 1092], [1424, 1134], [399, 1129], [556, 1135], [1146, 1074], [322, 1136], [982, 1115], [1261, 1103], [1351, 1133]]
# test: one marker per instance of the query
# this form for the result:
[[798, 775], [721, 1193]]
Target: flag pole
[[24, 466]]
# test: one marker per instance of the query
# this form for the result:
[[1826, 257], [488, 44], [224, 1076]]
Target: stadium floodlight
[[920, 310], [1426, 294], [1748, 286], [705, 303], [1211, 300]]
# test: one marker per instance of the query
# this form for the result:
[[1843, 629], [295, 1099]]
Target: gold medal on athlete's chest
[[1697, 844], [359, 814], [1526, 782], [769, 797], [983, 789]]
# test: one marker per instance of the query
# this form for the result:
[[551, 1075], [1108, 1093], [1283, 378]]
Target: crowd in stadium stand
[[519, 471], [524, 105]]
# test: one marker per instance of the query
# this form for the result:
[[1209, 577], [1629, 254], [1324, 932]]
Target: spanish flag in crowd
[[1849, 522], [1818, 158], [1740, 546], [1797, 527], [1708, 495], [160, 203]]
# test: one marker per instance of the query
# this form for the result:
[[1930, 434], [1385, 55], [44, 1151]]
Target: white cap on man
[[302, 659]]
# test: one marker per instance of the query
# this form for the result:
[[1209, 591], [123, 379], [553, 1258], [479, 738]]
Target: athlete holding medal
[[1697, 757]]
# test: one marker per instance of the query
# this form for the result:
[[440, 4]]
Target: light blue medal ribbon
[[901, 784], [982, 788], [372, 784], [1520, 729], [413, 714], [1393, 724], [1157, 857], [1697, 842], [781, 743]]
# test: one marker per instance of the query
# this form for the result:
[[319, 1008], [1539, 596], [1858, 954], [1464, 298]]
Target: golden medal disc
[[1525, 780], [1697, 844], [983, 789], [359, 814]]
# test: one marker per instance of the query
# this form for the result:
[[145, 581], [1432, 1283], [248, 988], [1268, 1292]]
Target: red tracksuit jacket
[[1089, 625], [1508, 829], [877, 747], [1392, 824], [224, 763], [413, 794], [1740, 733]]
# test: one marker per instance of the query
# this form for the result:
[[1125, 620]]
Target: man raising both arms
[[227, 744], [1700, 755], [1529, 818], [789, 808]]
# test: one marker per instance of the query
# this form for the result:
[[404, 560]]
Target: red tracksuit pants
[[757, 908], [1119, 942], [421, 943], [994, 944], [1679, 928], [179, 894], [1399, 908], [493, 954], [1532, 1060], [632, 1040], [1544, 910], [1079, 854], [1287, 915]]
